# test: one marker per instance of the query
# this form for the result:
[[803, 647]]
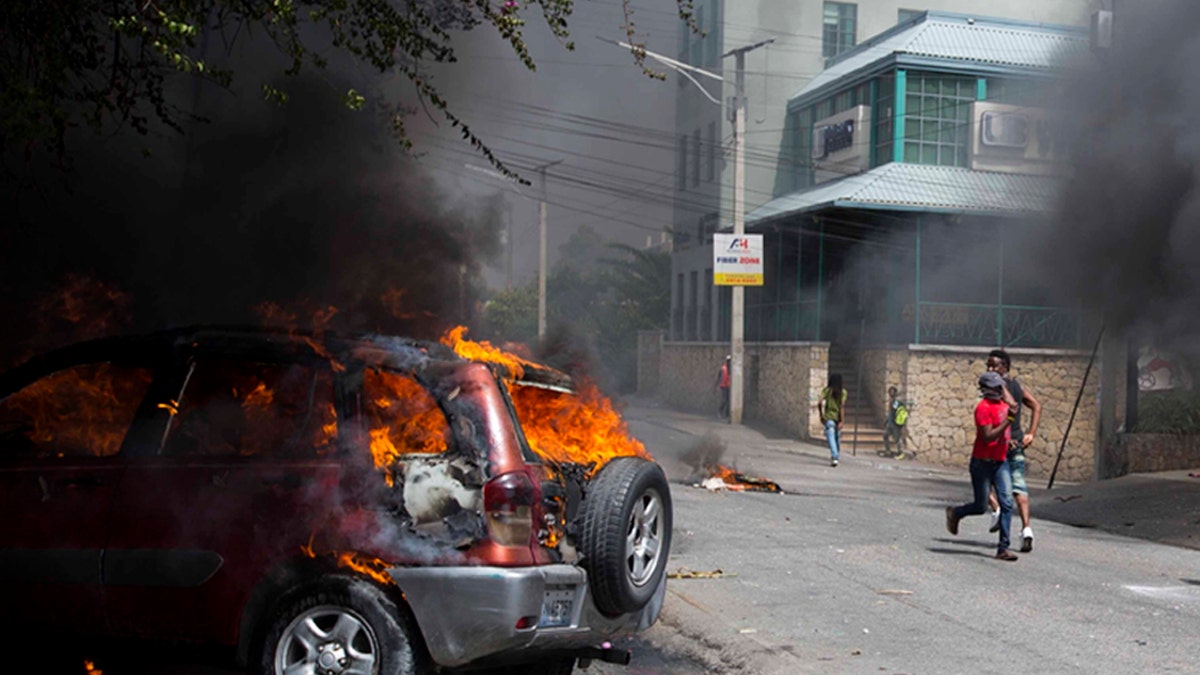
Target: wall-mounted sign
[[737, 259], [840, 143]]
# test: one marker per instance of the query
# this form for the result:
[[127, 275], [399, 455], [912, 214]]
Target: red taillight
[[508, 500]]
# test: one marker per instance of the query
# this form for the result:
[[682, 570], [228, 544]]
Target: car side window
[[402, 417], [81, 411], [233, 408]]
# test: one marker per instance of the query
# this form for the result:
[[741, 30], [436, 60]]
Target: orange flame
[[402, 416], [740, 482], [272, 314], [90, 667], [455, 338], [86, 409], [581, 429], [369, 566]]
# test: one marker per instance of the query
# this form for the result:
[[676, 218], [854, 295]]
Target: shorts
[[1016, 466]]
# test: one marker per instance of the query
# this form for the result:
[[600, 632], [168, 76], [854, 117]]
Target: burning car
[[331, 505]]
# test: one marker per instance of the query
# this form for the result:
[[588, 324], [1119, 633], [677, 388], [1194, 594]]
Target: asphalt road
[[852, 571]]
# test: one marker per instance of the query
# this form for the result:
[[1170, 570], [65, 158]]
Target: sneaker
[[833, 462], [951, 520], [1006, 555], [995, 516], [1026, 540]]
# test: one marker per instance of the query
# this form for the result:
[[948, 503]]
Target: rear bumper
[[469, 614]]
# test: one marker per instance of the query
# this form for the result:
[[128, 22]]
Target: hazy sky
[[591, 108]]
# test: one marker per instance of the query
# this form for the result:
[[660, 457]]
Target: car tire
[[626, 534], [341, 620]]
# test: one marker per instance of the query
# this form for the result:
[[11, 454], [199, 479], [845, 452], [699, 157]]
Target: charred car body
[[367, 505]]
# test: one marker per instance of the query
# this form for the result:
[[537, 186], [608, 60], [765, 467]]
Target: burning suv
[[367, 505]]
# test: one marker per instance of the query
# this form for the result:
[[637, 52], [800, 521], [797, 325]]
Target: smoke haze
[[1128, 226]]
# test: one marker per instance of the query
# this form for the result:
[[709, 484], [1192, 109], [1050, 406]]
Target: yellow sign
[[733, 279]]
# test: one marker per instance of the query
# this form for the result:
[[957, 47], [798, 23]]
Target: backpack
[[901, 415]]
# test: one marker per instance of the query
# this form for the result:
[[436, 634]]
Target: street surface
[[852, 571]]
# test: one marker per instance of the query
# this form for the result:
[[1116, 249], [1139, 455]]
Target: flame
[[740, 482], [90, 667], [370, 566], [455, 338], [87, 408], [367, 565], [272, 314], [581, 429], [402, 417]]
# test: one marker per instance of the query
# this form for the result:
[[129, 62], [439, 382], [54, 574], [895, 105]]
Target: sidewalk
[[1161, 507]]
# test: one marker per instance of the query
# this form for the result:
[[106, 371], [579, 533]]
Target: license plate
[[558, 608]]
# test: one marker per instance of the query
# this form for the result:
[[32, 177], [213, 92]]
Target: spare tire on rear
[[626, 533]]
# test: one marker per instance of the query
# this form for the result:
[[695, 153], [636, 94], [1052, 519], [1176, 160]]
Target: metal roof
[[961, 40], [917, 187]]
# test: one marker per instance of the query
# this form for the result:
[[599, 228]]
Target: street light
[[737, 329]]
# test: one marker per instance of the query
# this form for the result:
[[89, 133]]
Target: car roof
[[250, 341]]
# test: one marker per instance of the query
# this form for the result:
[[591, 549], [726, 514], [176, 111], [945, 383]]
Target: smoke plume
[[1128, 225]]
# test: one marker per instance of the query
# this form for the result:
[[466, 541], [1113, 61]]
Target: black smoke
[[308, 205], [1127, 230]]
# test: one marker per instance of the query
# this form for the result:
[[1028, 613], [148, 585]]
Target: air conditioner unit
[[1004, 129]]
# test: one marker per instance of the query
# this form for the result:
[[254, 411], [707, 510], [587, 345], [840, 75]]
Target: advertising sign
[[737, 260]]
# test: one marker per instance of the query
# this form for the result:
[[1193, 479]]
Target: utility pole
[[738, 309], [542, 249]]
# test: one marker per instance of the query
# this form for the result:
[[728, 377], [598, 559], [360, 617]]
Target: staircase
[[868, 436]]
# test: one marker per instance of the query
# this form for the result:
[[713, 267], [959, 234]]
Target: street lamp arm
[[666, 60], [677, 66]]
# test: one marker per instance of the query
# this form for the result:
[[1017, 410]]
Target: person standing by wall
[[999, 362], [723, 383], [993, 416], [831, 406], [897, 417]]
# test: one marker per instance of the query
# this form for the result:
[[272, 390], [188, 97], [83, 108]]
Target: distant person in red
[[993, 416], [723, 383]]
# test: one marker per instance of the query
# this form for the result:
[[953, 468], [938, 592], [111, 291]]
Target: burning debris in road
[[704, 456]]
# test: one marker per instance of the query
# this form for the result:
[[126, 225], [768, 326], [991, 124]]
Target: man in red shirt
[[723, 382], [993, 416]]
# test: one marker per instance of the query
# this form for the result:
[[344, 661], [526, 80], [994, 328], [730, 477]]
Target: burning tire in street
[[626, 533]]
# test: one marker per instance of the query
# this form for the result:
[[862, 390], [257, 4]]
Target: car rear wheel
[[339, 625], [626, 534]]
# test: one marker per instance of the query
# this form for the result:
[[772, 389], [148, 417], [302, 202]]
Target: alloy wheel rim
[[327, 640], [643, 538]]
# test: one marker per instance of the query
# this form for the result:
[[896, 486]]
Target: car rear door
[[244, 473], [61, 440]]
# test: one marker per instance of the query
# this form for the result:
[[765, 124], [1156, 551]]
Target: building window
[[903, 15], [696, 157], [838, 29], [682, 163], [710, 162], [937, 111], [884, 114]]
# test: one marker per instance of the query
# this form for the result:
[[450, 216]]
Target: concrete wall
[[942, 386], [790, 378], [650, 344], [783, 381], [1159, 452], [688, 375]]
